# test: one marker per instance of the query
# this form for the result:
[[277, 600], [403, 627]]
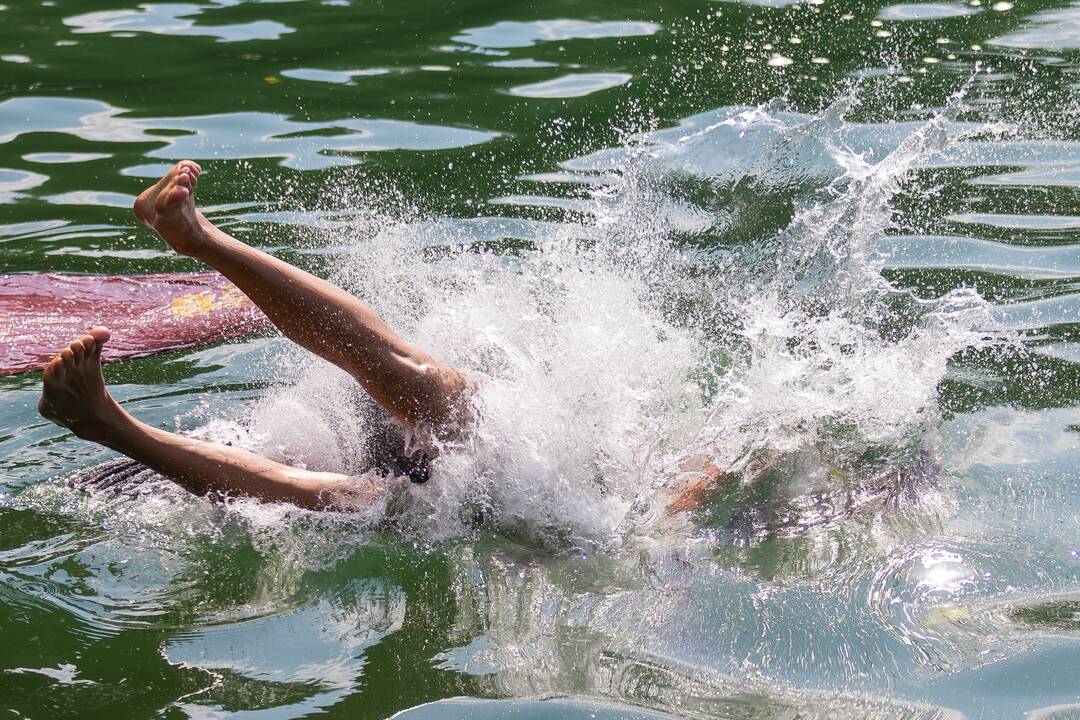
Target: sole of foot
[[73, 393], [168, 206]]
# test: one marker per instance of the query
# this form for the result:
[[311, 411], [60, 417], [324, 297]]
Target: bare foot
[[169, 208], [74, 393]]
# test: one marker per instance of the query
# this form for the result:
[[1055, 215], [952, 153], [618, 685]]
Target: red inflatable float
[[41, 313]]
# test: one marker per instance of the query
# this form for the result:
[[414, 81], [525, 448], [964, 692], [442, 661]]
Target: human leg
[[698, 478], [74, 395], [411, 385]]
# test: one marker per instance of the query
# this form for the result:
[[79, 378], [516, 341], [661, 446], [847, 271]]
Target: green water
[[967, 602]]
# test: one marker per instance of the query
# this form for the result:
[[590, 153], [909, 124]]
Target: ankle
[[192, 239], [108, 424], [201, 239]]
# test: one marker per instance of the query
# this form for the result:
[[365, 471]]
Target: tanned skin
[[415, 388]]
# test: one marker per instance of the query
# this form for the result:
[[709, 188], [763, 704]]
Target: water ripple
[[172, 19]]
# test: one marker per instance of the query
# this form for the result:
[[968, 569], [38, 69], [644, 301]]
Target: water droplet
[[780, 61]]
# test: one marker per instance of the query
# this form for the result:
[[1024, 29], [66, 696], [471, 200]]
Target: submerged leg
[[410, 384], [699, 478], [74, 395]]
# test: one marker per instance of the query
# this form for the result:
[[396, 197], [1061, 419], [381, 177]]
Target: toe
[[178, 194], [78, 350], [101, 335], [54, 370], [68, 358]]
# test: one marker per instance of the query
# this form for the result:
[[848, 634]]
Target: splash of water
[[613, 347]]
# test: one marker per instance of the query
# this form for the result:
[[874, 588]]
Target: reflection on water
[[300, 145], [510, 34], [316, 651], [573, 85], [332, 76], [986, 255], [522, 63], [926, 11], [53, 158], [1060, 177], [173, 19], [14, 181], [1050, 30]]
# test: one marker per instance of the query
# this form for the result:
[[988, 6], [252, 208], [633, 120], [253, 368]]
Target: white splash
[[612, 348]]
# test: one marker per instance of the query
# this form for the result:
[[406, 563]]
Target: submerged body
[[428, 401]]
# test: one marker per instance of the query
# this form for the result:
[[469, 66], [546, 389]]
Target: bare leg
[[406, 381], [74, 396], [699, 478]]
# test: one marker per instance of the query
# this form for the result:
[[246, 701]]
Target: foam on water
[[613, 348]]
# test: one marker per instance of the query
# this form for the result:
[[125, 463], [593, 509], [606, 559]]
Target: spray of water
[[614, 347], [670, 322]]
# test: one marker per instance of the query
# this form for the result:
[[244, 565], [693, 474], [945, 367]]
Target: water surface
[[847, 231]]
